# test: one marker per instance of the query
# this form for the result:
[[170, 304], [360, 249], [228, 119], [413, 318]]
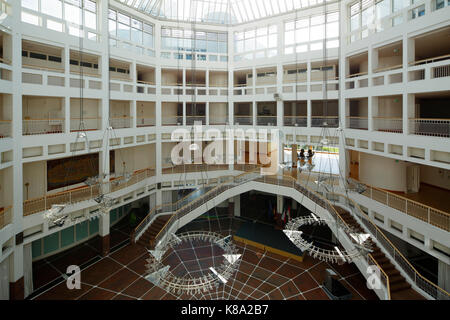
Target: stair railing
[[176, 206], [420, 281]]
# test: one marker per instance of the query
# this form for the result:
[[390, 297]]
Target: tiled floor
[[261, 275]]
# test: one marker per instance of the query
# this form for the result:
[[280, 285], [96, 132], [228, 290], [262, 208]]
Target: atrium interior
[[225, 149]]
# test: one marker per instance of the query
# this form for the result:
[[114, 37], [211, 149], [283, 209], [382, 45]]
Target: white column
[[254, 112], [308, 113], [207, 114], [444, 275], [280, 204], [237, 206], [104, 225], [16, 259], [133, 114]]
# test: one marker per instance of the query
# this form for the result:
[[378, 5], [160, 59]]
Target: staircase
[[399, 288], [148, 238]]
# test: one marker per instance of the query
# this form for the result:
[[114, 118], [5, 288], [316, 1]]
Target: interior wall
[[135, 158], [90, 108], [435, 176], [35, 173], [331, 107], [218, 79], [382, 172], [390, 107], [169, 77], [169, 109], [119, 108], [145, 109], [42, 107], [166, 149], [218, 110], [384, 62], [359, 108]]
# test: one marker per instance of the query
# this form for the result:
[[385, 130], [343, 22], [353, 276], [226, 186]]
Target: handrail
[[5, 215], [397, 253], [387, 284], [390, 118], [354, 75], [356, 117], [388, 68], [30, 66], [148, 217], [146, 82], [5, 61], [406, 200], [430, 119], [328, 206], [196, 200], [296, 117], [80, 194], [427, 60]]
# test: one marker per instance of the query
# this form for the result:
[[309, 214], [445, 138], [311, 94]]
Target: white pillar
[[280, 204], [237, 206], [444, 275]]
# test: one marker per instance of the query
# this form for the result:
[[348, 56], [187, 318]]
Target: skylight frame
[[219, 12]]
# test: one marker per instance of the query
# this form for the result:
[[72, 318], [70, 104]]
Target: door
[[412, 179]]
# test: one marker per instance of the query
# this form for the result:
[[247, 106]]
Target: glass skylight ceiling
[[218, 11]]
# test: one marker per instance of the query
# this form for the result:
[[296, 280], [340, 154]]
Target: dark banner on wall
[[64, 172]]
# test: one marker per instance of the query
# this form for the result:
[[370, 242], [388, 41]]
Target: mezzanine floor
[[120, 275], [432, 196]]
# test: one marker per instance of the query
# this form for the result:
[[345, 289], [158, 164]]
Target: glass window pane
[[261, 42], [136, 36], [354, 22], [317, 32], [52, 8], [112, 28], [261, 31], [148, 40], [289, 37], [250, 44], [123, 32], [72, 14], [383, 8], [289, 26], [90, 20], [223, 47], [273, 41], [302, 23], [123, 18], [333, 30], [302, 35], [212, 47], [31, 4]]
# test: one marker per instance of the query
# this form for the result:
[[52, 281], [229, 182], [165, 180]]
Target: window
[[126, 28], [259, 39], [199, 41], [312, 29]]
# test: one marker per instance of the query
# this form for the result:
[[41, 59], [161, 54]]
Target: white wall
[[35, 173], [435, 176], [40, 107], [382, 172]]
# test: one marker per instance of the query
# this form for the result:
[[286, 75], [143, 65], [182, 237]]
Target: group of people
[[309, 155]]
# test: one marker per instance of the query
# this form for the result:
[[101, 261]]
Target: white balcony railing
[[245, 120], [42, 126], [357, 123], [88, 124], [145, 122], [172, 120], [325, 121], [190, 120], [218, 120], [266, 120], [121, 122], [430, 127], [388, 124], [296, 121]]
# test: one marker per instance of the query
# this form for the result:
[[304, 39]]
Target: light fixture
[[193, 147], [339, 256], [160, 274]]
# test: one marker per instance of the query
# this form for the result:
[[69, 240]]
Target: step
[[400, 286], [396, 279]]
